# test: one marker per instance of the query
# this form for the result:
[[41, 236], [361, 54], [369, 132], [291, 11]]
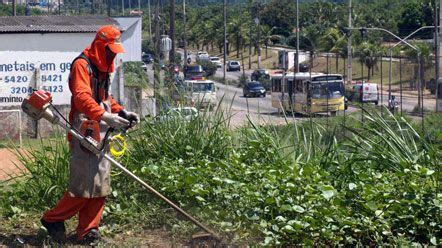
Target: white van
[[365, 92], [201, 93]]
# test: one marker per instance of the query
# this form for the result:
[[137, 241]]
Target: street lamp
[[419, 68], [390, 50], [420, 92]]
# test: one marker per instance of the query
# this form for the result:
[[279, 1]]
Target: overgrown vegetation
[[310, 183], [135, 74]]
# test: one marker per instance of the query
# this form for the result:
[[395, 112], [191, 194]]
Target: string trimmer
[[39, 105]]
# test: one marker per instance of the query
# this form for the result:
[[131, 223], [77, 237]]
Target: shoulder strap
[[90, 66], [93, 72]]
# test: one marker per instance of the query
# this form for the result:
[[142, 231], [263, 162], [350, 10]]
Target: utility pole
[[122, 7], [297, 36], [150, 20], [172, 32], [349, 47], [250, 35], [157, 80], [436, 40], [257, 21], [14, 7], [109, 7], [184, 33], [250, 46], [225, 40], [439, 56], [139, 5]]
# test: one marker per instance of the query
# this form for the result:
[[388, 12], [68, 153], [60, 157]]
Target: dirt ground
[[8, 162]]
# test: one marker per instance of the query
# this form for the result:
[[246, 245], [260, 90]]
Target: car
[[184, 113], [233, 66], [194, 71], [254, 88], [202, 54], [216, 61], [259, 74], [147, 58], [366, 92]]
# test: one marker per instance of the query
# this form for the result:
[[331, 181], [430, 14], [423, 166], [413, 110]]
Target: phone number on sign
[[16, 79], [51, 78], [29, 90]]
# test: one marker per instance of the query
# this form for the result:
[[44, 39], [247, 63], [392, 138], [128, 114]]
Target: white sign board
[[21, 72]]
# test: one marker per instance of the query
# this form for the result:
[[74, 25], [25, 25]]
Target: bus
[[199, 93], [308, 93]]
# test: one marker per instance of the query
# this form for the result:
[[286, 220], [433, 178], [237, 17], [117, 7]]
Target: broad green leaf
[[298, 209], [352, 186], [328, 192]]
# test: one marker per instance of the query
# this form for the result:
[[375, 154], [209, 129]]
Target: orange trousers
[[89, 209]]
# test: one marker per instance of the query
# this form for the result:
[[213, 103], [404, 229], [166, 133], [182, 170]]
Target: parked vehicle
[[147, 58], [366, 92], [216, 61], [194, 71], [254, 88], [259, 74], [233, 66]]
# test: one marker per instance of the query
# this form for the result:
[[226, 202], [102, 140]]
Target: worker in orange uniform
[[92, 109]]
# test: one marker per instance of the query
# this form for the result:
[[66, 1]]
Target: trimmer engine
[[37, 106]]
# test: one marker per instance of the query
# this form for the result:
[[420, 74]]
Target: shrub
[[302, 184]]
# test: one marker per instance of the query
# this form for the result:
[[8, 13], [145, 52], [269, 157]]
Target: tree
[[332, 41], [279, 14], [237, 28], [309, 41], [268, 37], [412, 18], [425, 60], [368, 55]]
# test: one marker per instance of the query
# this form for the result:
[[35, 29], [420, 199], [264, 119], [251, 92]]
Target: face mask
[[110, 56]]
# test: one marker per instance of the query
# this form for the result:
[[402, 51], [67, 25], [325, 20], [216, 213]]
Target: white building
[[36, 52], [51, 43]]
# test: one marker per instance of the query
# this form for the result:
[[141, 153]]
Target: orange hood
[[107, 36]]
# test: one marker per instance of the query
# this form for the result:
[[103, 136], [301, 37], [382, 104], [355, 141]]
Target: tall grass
[[41, 179], [301, 184]]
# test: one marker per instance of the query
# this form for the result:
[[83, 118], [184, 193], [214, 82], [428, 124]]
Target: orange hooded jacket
[[80, 81]]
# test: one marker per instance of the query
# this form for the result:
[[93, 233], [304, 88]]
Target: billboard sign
[[21, 72]]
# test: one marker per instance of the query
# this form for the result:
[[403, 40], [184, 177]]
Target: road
[[258, 109], [233, 75]]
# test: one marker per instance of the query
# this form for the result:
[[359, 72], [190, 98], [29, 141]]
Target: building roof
[[53, 24]]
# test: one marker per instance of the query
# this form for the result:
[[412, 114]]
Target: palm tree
[[237, 30], [309, 41], [268, 37], [368, 55], [335, 41], [424, 58]]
